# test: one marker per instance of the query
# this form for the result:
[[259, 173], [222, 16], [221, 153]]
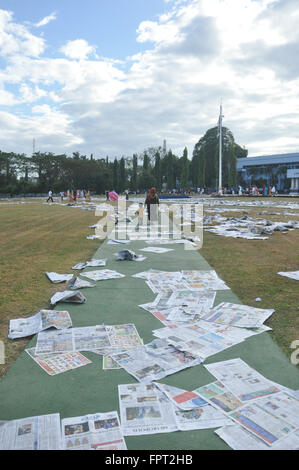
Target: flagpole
[[220, 153]]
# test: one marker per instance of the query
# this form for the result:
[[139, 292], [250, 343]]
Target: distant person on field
[[50, 194], [151, 203], [75, 195], [140, 214]]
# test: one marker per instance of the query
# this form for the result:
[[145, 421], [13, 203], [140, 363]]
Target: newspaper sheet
[[22, 327], [241, 380], [123, 336], [198, 341], [55, 364], [238, 438], [236, 334], [156, 249], [270, 418], [290, 274], [34, 433], [68, 296], [145, 274], [204, 280], [171, 317], [100, 431], [74, 339], [197, 299], [145, 410], [78, 283], [242, 316], [154, 361], [219, 396], [102, 275], [183, 399], [201, 418], [56, 278]]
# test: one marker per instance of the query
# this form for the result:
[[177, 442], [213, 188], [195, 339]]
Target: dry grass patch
[[36, 238]]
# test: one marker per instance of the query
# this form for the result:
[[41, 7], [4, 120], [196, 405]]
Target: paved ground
[[27, 390]]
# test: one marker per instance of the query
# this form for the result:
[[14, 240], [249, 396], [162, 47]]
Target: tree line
[[154, 167]]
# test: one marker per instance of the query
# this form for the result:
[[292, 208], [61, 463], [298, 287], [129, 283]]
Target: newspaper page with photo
[[182, 399], [145, 410], [100, 431], [34, 433]]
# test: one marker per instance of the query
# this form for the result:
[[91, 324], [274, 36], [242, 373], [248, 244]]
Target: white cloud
[[46, 20], [243, 51], [78, 49]]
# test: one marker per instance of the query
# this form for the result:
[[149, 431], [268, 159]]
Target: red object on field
[[113, 196]]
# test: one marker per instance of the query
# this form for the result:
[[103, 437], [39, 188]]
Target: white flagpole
[[220, 152]]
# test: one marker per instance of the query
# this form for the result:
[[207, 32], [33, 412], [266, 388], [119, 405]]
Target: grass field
[[250, 269], [36, 238]]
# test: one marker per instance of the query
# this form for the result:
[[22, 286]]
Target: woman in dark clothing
[[151, 203]]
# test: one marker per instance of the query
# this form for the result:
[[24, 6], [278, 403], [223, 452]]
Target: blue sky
[[110, 25], [115, 77]]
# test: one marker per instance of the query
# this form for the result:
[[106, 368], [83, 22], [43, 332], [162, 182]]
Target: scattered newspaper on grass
[[92, 263], [78, 283], [290, 274], [68, 296], [22, 327], [100, 431], [57, 278]]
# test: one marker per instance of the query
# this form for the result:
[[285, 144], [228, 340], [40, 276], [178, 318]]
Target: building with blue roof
[[281, 170]]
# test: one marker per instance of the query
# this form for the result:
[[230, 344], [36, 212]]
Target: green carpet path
[[27, 390]]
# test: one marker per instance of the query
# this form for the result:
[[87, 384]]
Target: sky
[[114, 77]]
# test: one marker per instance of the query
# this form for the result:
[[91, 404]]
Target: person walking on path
[[151, 203], [50, 196]]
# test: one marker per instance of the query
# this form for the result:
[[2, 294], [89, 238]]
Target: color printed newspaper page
[[238, 438], [238, 315], [123, 336], [145, 410], [182, 399], [219, 396], [196, 340], [241, 380], [100, 431], [34, 433], [262, 419], [74, 339], [204, 279], [55, 364]]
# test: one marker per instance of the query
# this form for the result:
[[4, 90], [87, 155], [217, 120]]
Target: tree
[[205, 158], [185, 170]]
